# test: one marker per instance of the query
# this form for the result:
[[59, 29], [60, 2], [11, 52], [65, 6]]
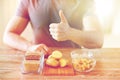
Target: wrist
[[74, 35], [70, 33]]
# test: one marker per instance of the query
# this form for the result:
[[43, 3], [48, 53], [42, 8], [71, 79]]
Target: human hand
[[40, 48], [59, 31]]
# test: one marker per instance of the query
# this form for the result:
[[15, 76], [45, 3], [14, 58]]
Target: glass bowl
[[83, 60]]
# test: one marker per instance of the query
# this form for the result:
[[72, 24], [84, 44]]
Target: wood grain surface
[[107, 67], [58, 71]]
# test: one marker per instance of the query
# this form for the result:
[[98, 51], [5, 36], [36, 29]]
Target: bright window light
[[104, 7]]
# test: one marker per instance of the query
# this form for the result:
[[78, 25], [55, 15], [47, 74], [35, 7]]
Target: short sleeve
[[22, 9]]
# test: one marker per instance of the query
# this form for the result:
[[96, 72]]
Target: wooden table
[[107, 67]]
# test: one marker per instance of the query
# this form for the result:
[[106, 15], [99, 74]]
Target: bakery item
[[57, 54], [63, 62], [52, 62]]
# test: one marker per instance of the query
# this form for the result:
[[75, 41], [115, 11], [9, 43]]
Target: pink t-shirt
[[41, 13]]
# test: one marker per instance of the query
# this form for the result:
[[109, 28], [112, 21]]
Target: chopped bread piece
[[52, 62], [31, 65], [50, 56], [63, 62], [56, 54], [83, 64]]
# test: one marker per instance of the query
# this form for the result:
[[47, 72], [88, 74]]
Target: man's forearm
[[88, 39], [17, 42]]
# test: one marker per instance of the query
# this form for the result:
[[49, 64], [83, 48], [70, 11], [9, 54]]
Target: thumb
[[62, 17]]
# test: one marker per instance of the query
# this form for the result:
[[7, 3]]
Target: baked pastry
[[57, 54], [52, 62]]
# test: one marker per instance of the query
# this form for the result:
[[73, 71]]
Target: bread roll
[[63, 62], [52, 62], [56, 54]]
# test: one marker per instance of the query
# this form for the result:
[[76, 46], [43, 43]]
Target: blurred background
[[108, 12]]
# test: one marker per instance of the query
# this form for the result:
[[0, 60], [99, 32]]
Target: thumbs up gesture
[[59, 31]]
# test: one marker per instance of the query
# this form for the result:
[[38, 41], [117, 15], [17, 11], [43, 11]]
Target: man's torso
[[44, 12]]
